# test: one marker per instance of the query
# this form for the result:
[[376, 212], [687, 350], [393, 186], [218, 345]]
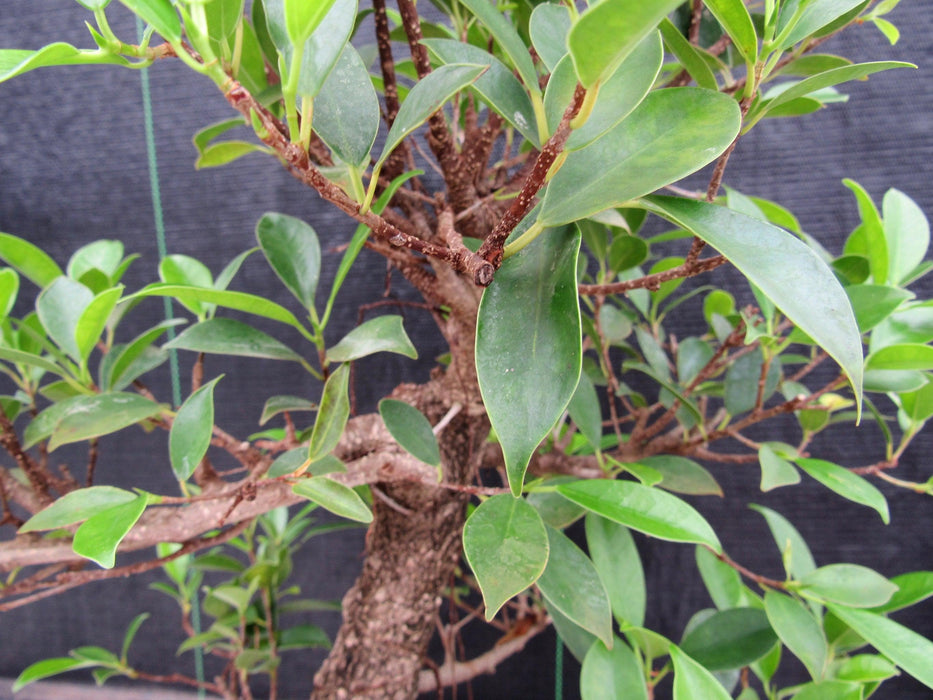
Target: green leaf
[[682, 475], [692, 681], [815, 15], [15, 62], [160, 14], [103, 255], [585, 411], [872, 303], [60, 306], [9, 289], [612, 673], [866, 668], [505, 34], [380, 334], [93, 321], [293, 252], [643, 508], [626, 252], [907, 232], [506, 546], [848, 584], [912, 588], [30, 261], [346, 110], [49, 667], [571, 584], [671, 134], [689, 55], [795, 553], [238, 301], [76, 506], [293, 460], [99, 536], [730, 639], [279, 404], [411, 430], [25, 358], [829, 690], [425, 98], [335, 497], [548, 29], [498, 85], [608, 32], [332, 415], [117, 375], [91, 416], [903, 356], [528, 330], [227, 336], [785, 269], [847, 484], [903, 646], [722, 582], [223, 17], [191, 431], [869, 237], [734, 18], [613, 551], [775, 471], [224, 152], [202, 139], [303, 16], [324, 47], [799, 631]]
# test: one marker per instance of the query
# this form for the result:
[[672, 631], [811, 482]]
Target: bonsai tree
[[522, 171]]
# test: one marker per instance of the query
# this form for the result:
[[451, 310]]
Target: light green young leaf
[[798, 561], [785, 269], [411, 430], [238, 301], [380, 334], [76, 506], [99, 536], [202, 139], [613, 551], [9, 289], [692, 681], [506, 546], [612, 673], [642, 508], [902, 356], [730, 639], [870, 234], [90, 416], [548, 29], [335, 497], [160, 14], [815, 15], [528, 329], [775, 471], [734, 18], [49, 667], [291, 246], [332, 415], [846, 484], [191, 431], [866, 668], [426, 97], [303, 16], [848, 584], [799, 631], [15, 62], [608, 32], [571, 583], [903, 646], [912, 588], [907, 232], [93, 320], [227, 336], [60, 306], [505, 34], [30, 261], [669, 135], [224, 152]]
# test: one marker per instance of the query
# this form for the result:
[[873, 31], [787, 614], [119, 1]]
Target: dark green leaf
[[332, 415], [799, 631], [528, 330], [293, 251], [160, 14], [335, 497], [586, 412], [848, 584], [612, 673], [191, 431], [730, 639], [91, 416], [506, 545], [227, 336], [411, 430], [76, 506], [683, 475], [847, 484], [380, 334], [612, 549], [626, 252], [99, 536]]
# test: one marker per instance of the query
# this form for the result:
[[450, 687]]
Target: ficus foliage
[[560, 132]]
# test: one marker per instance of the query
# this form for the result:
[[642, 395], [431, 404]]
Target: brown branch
[[39, 478], [686, 269]]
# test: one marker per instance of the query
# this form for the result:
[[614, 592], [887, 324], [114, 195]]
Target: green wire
[[167, 303], [559, 669]]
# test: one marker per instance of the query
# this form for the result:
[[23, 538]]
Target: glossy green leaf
[[621, 93], [93, 321], [612, 673], [99, 536], [335, 497], [279, 404], [291, 246], [411, 430], [76, 506], [498, 86], [866, 668], [426, 97], [9, 289], [829, 690], [903, 646], [571, 583], [332, 415], [872, 303], [227, 336], [303, 16], [346, 110], [47, 668], [730, 639], [613, 551], [548, 29], [735, 19], [608, 32], [848, 584], [689, 55], [907, 233], [692, 681], [776, 471], [912, 588], [60, 306], [117, 373], [160, 14], [505, 34], [238, 301], [682, 475], [902, 356], [785, 269], [191, 431], [798, 561], [847, 484], [868, 239], [506, 546], [528, 330], [669, 135], [30, 261], [643, 508], [380, 334], [91, 416], [15, 62], [815, 15], [722, 582], [224, 152], [799, 631]]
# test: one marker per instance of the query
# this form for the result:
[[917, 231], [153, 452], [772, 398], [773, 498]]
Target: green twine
[[559, 669], [156, 193]]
